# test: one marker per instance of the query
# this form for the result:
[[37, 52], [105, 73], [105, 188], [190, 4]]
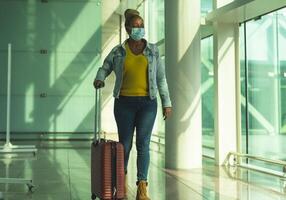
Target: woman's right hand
[[98, 84]]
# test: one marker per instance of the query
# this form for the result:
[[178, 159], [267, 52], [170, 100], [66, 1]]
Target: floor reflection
[[61, 171]]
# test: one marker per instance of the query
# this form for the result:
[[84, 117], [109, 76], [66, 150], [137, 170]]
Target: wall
[[51, 91]]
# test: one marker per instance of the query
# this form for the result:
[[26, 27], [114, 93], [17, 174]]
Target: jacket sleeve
[[106, 68], [161, 81]]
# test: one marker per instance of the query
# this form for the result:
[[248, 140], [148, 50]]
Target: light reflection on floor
[[62, 171]]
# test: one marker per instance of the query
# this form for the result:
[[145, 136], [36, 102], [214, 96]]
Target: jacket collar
[[145, 51]]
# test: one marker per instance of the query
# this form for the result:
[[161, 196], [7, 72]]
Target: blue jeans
[[140, 113]]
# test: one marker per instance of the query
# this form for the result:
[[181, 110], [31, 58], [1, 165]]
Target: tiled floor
[[61, 171]]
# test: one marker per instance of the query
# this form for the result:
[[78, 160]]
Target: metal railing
[[235, 159]]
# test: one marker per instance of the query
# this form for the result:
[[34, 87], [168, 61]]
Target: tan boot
[[142, 191], [126, 187]]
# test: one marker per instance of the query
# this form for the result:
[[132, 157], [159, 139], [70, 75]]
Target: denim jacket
[[156, 71]]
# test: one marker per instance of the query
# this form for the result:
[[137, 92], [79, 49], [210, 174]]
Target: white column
[[227, 96], [225, 89], [183, 63]]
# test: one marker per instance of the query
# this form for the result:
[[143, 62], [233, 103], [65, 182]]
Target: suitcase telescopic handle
[[97, 122]]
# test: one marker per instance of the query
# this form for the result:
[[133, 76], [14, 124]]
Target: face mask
[[137, 33]]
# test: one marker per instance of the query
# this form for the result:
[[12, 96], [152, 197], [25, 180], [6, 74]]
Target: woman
[[139, 74]]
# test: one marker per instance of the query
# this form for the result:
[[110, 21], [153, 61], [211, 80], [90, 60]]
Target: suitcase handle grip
[[97, 122]]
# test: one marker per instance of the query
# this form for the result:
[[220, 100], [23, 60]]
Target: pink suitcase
[[107, 164]]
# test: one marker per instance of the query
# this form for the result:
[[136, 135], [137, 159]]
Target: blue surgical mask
[[137, 33]]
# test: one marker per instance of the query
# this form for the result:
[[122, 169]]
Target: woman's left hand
[[167, 112]]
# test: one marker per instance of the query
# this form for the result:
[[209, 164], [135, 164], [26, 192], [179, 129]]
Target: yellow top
[[134, 81]]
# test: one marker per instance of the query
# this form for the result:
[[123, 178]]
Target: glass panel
[[156, 21], [266, 70], [156, 34], [282, 64], [207, 95], [47, 89], [263, 122], [141, 10], [206, 6]]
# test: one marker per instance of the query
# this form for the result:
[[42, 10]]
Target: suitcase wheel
[[93, 196]]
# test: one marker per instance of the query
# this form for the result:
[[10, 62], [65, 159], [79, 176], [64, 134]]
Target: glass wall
[[207, 95], [48, 85], [206, 6], [263, 70], [156, 22], [155, 33], [281, 19]]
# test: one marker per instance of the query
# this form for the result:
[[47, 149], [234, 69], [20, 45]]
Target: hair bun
[[130, 12]]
